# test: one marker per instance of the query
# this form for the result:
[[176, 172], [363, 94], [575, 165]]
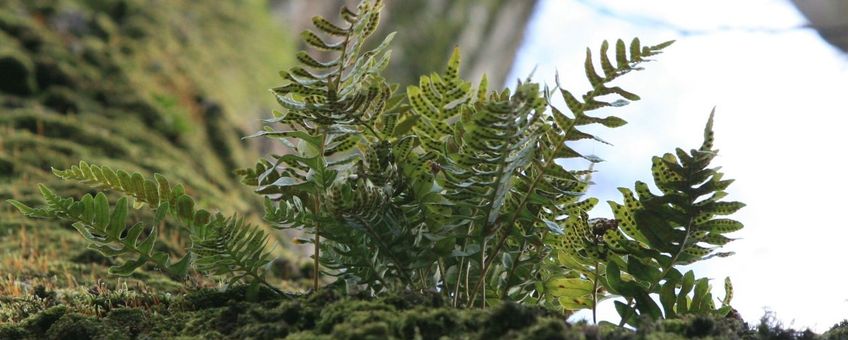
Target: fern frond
[[681, 221], [362, 212], [436, 101], [108, 233], [233, 248], [216, 241], [541, 177], [144, 190], [673, 228], [332, 103]]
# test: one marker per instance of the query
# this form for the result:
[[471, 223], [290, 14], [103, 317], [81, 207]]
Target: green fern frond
[[108, 233], [677, 227], [681, 221], [541, 178], [215, 240], [144, 190], [234, 249], [436, 101]]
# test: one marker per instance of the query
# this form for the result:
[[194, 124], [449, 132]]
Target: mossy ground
[[241, 314]]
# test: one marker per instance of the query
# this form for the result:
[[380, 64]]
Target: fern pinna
[[220, 246]]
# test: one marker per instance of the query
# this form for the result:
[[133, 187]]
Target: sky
[[780, 98]]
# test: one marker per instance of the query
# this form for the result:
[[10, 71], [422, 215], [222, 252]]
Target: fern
[[107, 231], [331, 107], [636, 255], [220, 246], [542, 177], [679, 225], [232, 248], [445, 186], [431, 187]]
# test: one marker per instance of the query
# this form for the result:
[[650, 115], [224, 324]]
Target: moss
[[92, 256], [61, 100], [368, 330], [17, 70], [315, 316], [75, 326], [41, 322], [354, 311], [86, 100], [509, 316], [429, 323], [7, 168], [9, 331], [212, 298], [51, 71], [546, 329], [129, 321], [701, 326], [407, 300], [838, 331]]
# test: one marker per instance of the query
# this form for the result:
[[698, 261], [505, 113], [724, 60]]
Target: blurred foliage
[[489, 31]]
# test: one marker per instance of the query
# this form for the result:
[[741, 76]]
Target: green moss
[[7, 168], [18, 73], [61, 99], [116, 82], [546, 329], [10, 331], [39, 324], [428, 323], [213, 298], [327, 316], [509, 316], [838, 331], [76, 326]]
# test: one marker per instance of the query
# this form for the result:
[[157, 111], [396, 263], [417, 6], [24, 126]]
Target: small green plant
[[446, 186], [220, 246]]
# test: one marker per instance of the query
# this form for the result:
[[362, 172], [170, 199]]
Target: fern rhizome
[[445, 186]]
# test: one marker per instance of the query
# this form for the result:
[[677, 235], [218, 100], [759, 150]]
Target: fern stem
[[317, 203], [595, 292], [462, 267], [316, 263], [370, 129], [458, 281], [677, 254], [512, 268], [441, 266], [266, 284], [488, 227]]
